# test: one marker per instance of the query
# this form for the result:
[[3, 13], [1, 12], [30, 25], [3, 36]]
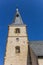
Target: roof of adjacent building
[[37, 47], [17, 19]]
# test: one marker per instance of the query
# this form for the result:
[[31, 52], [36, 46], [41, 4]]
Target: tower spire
[[17, 19]]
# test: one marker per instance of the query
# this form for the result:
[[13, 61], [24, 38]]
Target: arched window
[[17, 49], [17, 30]]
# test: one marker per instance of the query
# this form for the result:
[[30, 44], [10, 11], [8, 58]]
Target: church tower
[[17, 43]]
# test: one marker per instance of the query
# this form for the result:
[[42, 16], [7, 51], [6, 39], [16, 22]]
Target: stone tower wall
[[13, 58]]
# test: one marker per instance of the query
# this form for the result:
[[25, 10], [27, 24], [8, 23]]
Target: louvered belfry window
[[17, 49], [17, 30]]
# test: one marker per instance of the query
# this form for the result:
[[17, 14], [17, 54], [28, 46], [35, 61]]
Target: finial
[[17, 9]]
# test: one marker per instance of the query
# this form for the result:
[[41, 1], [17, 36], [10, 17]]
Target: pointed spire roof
[[17, 20]]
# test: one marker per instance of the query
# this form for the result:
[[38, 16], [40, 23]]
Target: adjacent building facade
[[19, 50]]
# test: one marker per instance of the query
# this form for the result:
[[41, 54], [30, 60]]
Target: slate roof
[[17, 19], [37, 47]]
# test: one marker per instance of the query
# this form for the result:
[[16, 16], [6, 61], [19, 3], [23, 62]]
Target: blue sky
[[32, 15]]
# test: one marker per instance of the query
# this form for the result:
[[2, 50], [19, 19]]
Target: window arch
[[17, 30], [17, 49]]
